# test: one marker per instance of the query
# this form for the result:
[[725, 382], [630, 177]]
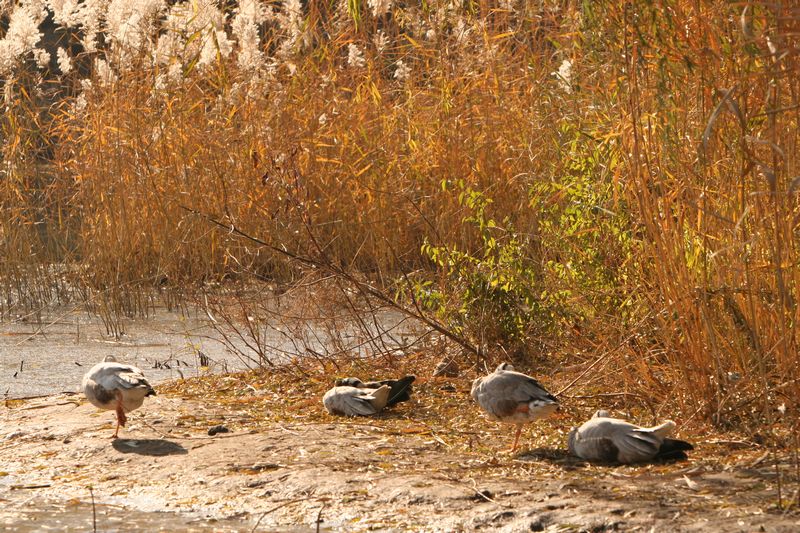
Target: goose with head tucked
[[353, 401], [116, 386], [513, 397], [612, 440], [399, 389]]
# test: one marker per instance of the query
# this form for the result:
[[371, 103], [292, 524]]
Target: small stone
[[218, 429], [537, 524], [502, 516], [446, 368], [483, 495]]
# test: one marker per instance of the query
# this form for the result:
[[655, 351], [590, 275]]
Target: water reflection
[[77, 515]]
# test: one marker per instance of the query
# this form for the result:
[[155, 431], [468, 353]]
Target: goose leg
[[516, 438], [121, 418]]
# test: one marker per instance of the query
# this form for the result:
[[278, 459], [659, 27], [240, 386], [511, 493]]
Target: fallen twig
[[319, 516], [268, 511], [94, 510]]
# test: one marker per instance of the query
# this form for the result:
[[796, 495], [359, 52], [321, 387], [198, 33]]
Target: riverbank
[[432, 464]]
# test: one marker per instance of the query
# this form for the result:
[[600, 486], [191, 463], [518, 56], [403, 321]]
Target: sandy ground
[[389, 473]]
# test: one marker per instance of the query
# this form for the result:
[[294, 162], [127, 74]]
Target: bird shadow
[[561, 457], [153, 447], [556, 456]]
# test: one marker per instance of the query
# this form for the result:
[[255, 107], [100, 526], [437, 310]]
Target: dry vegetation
[[566, 184]]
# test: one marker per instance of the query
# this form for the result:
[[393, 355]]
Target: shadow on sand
[[555, 456], [562, 458], [155, 447]]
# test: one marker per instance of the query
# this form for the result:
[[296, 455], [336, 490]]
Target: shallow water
[[40, 514], [51, 356], [76, 515]]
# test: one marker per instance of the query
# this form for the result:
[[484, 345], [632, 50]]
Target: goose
[[116, 386], [611, 440], [400, 389], [344, 400], [512, 397]]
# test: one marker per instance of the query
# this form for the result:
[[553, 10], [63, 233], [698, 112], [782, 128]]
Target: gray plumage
[[353, 401], [612, 440], [116, 386], [513, 397]]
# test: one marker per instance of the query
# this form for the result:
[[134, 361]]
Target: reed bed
[[560, 183]]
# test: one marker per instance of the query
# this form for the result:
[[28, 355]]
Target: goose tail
[[379, 397], [674, 449], [660, 431], [400, 390]]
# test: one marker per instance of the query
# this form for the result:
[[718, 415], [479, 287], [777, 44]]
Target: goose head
[[474, 391], [571, 439], [349, 382]]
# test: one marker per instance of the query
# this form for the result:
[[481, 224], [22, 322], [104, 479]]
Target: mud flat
[[394, 473]]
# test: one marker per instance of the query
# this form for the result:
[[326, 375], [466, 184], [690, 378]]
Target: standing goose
[[117, 386], [612, 440], [352, 401], [513, 397], [400, 389]]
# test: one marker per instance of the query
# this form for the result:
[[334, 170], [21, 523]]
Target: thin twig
[[603, 395], [319, 516], [94, 510], [340, 273], [265, 513]]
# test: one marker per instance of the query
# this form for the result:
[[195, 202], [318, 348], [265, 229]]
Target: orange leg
[[121, 418], [516, 438]]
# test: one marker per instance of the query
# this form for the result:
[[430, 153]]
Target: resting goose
[[612, 440], [352, 401], [400, 389], [513, 397], [117, 386]]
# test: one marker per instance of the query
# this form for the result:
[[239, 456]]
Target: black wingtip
[[400, 390], [677, 444], [674, 450]]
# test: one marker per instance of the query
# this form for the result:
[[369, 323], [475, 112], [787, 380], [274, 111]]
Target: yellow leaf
[[363, 170], [503, 35], [412, 41]]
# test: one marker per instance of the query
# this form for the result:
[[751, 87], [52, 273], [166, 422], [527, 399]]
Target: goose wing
[[527, 389], [502, 393], [614, 440], [400, 388], [118, 376], [349, 401]]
